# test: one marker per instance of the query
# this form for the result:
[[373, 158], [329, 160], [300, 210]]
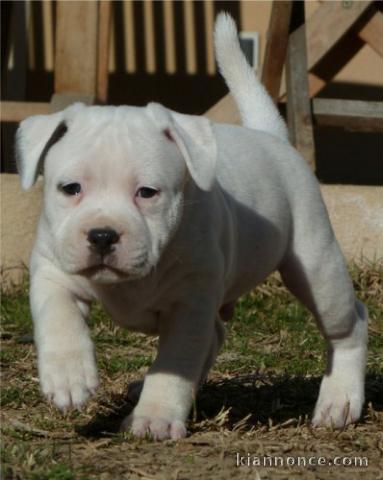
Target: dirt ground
[[41, 444], [250, 421]]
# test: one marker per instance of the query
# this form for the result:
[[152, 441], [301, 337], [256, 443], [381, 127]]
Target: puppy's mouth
[[103, 272], [102, 268]]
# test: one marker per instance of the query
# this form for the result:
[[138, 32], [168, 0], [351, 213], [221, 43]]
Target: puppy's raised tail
[[256, 107]]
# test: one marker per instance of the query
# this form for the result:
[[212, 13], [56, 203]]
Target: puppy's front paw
[[338, 404], [68, 378], [157, 426]]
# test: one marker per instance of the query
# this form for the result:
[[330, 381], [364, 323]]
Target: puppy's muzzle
[[102, 240]]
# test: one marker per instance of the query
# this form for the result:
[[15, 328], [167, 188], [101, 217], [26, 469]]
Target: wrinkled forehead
[[117, 141]]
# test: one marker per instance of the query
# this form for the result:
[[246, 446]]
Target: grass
[[260, 394]]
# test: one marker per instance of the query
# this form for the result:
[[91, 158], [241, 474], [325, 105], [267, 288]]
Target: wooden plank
[[169, 37], [76, 47], [299, 117], [150, 49], [189, 32], [349, 114], [103, 50], [59, 101], [372, 32], [276, 47], [18, 111]]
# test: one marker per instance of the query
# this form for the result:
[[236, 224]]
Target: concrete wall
[[19, 214]]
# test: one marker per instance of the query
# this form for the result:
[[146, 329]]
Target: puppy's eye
[[71, 188], [147, 192]]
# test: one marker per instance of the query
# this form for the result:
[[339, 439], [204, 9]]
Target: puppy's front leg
[[171, 383], [66, 362]]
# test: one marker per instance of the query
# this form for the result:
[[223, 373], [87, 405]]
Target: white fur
[[235, 204], [255, 105]]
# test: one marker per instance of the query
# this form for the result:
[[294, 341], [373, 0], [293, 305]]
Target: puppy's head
[[114, 181]]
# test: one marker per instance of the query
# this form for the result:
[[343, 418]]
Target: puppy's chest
[[135, 309]]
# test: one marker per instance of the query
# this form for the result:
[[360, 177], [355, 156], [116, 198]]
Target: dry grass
[[258, 400]]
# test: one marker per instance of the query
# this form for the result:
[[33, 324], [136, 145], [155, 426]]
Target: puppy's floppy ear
[[34, 137], [194, 137]]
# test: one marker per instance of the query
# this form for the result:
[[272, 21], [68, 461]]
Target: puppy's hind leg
[[321, 281]]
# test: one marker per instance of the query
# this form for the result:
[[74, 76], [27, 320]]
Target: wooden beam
[[324, 28], [327, 25], [224, 111], [299, 116], [349, 114], [18, 111], [103, 50], [76, 47], [276, 47], [59, 101], [372, 32]]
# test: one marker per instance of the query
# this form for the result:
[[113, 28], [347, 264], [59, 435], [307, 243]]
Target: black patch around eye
[[146, 192], [71, 188]]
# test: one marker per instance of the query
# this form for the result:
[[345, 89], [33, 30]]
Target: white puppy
[[167, 219]]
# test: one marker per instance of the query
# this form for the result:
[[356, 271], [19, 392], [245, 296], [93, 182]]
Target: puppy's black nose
[[102, 239]]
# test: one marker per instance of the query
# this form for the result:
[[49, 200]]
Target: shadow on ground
[[262, 399]]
